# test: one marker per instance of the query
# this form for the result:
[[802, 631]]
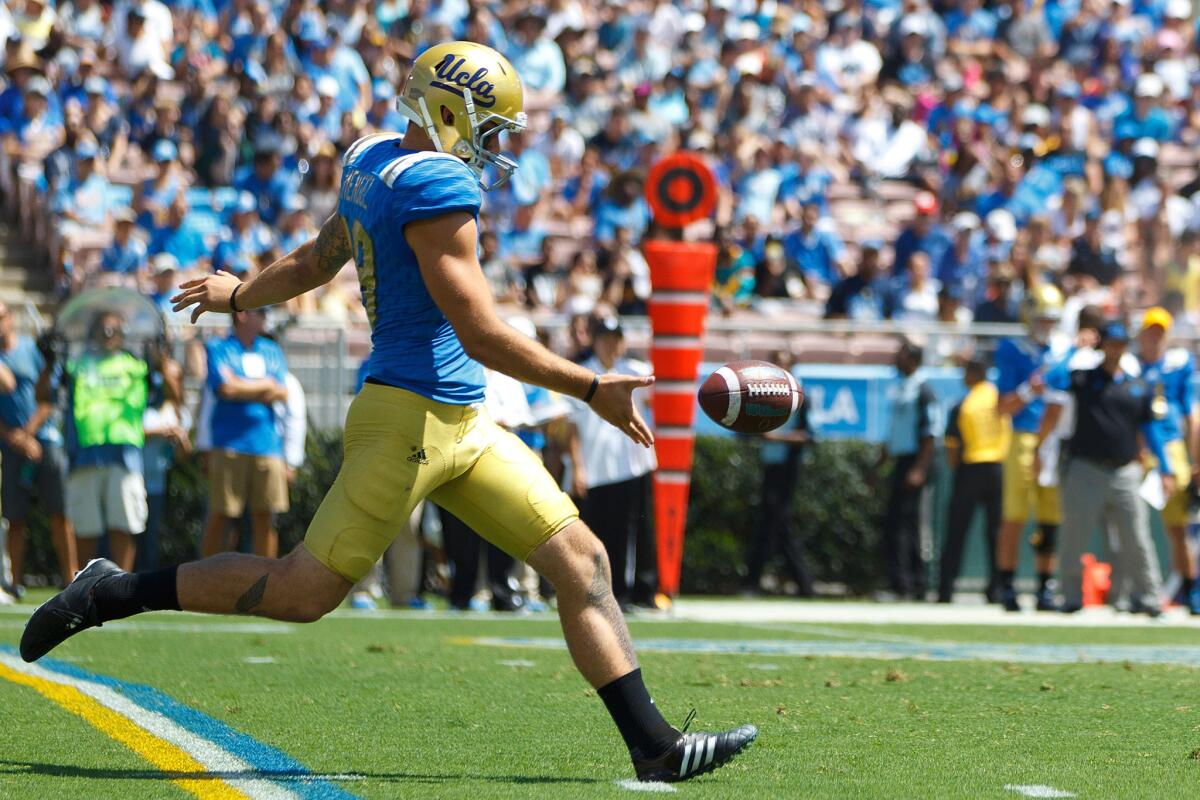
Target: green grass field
[[414, 707]]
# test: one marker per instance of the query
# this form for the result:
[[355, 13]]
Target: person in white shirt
[[609, 475]]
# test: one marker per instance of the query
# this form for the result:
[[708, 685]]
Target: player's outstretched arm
[[310, 265], [445, 247]]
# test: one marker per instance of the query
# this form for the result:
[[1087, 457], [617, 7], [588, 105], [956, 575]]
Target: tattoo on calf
[[600, 597], [253, 596]]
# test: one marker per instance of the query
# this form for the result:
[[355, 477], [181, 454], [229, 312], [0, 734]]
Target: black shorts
[[21, 480]]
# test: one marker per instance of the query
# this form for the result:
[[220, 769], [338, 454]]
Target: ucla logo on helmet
[[454, 78]]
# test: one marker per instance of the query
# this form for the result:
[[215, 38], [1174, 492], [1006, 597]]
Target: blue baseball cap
[[1114, 332], [245, 203], [1069, 89], [164, 150], [1117, 165], [86, 149], [95, 85]]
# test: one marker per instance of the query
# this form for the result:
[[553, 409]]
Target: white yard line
[[1036, 790]]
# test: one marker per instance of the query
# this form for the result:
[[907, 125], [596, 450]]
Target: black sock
[[1044, 579], [1188, 583], [134, 592], [1006, 578], [644, 730]]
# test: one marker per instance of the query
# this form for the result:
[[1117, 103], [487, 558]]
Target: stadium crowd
[[884, 159], [891, 159]]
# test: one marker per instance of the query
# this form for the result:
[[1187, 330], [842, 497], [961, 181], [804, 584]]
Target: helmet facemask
[[474, 152]]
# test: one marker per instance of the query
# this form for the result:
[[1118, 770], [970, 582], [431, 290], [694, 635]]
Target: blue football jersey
[[384, 187], [1171, 377], [1016, 361]]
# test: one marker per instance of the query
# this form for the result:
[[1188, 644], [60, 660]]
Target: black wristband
[[591, 392], [233, 299]]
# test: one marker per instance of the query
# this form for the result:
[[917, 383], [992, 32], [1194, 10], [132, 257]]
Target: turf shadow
[[103, 773]]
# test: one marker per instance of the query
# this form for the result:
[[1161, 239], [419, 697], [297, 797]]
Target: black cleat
[[1045, 601], [1008, 599], [67, 613], [694, 754]]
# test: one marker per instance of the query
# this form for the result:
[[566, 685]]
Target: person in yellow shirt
[[977, 440]]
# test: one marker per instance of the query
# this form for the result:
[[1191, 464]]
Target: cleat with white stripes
[[67, 613], [694, 754]]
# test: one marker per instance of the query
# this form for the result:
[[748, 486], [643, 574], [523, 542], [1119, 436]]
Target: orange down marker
[[680, 190]]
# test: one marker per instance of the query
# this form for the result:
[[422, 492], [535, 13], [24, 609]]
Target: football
[[750, 396]]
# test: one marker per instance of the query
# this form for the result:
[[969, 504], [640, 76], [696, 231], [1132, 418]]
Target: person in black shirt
[[781, 454], [865, 295], [1089, 257], [1103, 474]]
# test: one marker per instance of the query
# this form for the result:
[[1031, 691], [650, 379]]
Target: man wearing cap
[[609, 472], [82, 203], [382, 115], [164, 273], [1146, 118], [126, 255], [327, 118], [1114, 413], [922, 234], [247, 374], [1168, 372], [1021, 366], [154, 196], [246, 235], [35, 123], [295, 223], [963, 264]]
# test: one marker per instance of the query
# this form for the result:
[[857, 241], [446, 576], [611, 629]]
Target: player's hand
[[210, 293], [1169, 485], [915, 478], [613, 401]]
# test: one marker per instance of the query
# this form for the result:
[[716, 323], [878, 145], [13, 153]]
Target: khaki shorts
[[1023, 497], [1175, 513], [236, 480], [108, 498], [401, 448]]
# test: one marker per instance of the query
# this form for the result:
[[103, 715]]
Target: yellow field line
[[162, 754]]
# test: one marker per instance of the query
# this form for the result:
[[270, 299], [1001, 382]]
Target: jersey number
[[364, 263]]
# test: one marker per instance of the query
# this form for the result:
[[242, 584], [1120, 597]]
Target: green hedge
[[835, 512]]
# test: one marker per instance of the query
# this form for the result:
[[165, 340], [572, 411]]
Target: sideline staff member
[[1103, 472], [977, 441]]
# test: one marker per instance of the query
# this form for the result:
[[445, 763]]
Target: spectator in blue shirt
[[154, 196], [34, 123], [622, 206], [923, 234], [816, 252], [247, 374], [537, 58], [127, 253], [268, 183], [246, 235], [179, 236], [382, 115], [32, 458], [1147, 119]]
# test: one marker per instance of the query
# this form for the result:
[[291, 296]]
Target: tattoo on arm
[[253, 597], [600, 597], [332, 247]]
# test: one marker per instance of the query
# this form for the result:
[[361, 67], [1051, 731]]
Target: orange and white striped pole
[[680, 189]]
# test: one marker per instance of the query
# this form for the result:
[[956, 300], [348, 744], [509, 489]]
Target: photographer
[[31, 449], [107, 395]]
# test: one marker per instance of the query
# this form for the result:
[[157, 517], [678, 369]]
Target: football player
[[407, 217], [1021, 365], [1169, 371]]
